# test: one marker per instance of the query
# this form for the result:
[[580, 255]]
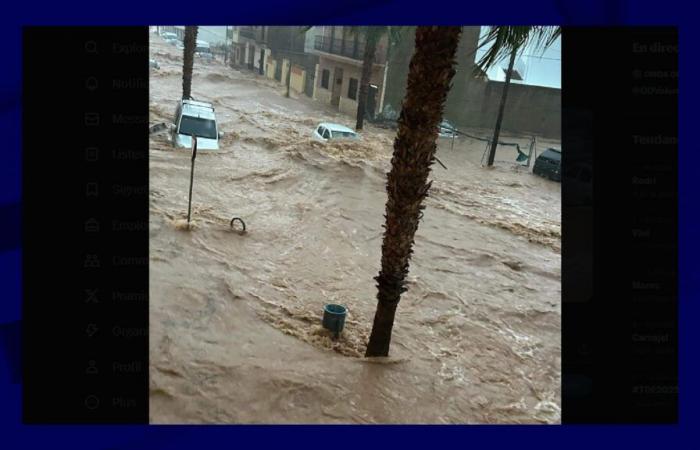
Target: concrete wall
[[278, 69], [270, 69], [473, 102], [305, 61], [531, 110], [321, 94], [285, 69], [347, 106], [298, 79], [287, 42]]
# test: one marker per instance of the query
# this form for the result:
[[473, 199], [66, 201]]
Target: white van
[[196, 118], [202, 47]]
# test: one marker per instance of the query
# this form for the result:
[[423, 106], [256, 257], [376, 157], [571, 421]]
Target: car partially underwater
[[548, 164], [447, 130], [198, 119], [325, 132]]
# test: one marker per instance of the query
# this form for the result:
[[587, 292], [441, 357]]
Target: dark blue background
[[13, 434]]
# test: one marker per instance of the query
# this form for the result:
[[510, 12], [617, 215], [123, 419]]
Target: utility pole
[[501, 108], [289, 75]]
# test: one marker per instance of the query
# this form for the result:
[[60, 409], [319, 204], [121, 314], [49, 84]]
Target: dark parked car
[[548, 164]]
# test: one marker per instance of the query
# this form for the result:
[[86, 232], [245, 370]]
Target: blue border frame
[[13, 434]]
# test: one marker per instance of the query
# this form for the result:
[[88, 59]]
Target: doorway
[[251, 57], [371, 105], [337, 85]]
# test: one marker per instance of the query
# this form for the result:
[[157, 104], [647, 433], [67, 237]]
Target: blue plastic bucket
[[334, 318]]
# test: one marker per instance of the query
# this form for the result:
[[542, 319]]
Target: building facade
[[289, 61], [325, 63], [249, 47], [337, 77]]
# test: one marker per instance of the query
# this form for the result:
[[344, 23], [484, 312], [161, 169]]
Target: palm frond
[[506, 39]]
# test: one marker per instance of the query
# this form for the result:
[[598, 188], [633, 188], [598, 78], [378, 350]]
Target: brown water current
[[235, 332]]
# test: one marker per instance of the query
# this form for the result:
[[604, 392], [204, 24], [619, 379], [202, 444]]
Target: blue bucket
[[334, 318]]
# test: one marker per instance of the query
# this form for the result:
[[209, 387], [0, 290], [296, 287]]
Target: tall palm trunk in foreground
[[190, 44], [371, 38], [430, 72]]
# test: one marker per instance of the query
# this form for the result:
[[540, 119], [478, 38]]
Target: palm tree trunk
[[190, 43], [501, 108], [367, 62], [430, 73]]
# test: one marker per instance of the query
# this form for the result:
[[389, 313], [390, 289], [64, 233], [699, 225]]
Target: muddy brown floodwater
[[235, 333]]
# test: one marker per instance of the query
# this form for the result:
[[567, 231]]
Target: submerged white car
[[447, 130], [196, 118], [325, 132]]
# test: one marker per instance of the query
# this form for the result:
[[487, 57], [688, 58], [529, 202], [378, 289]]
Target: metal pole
[[189, 201], [440, 162], [227, 55], [501, 109], [535, 148]]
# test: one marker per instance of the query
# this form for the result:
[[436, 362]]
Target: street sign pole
[[189, 201]]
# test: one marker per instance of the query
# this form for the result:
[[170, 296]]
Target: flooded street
[[235, 319]]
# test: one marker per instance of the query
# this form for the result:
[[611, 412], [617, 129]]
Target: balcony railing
[[348, 48], [251, 33]]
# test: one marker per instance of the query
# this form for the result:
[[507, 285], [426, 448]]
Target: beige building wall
[[323, 95], [346, 104], [298, 80], [285, 68], [246, 53], [270, 69]]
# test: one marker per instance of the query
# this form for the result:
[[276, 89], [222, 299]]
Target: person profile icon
[[91, 368]]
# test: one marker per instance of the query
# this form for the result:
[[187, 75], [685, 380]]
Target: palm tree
[[372, 37], [190, 44], [508, 41], [430, 73], [372, 34]]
